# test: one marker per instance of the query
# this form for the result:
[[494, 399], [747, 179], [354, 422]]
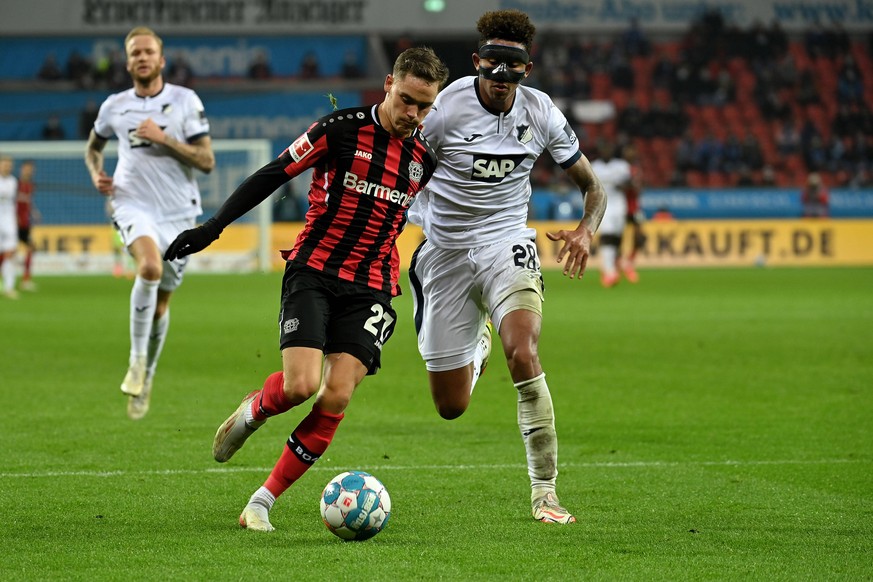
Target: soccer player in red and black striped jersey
[[368, 164], [26, 211]]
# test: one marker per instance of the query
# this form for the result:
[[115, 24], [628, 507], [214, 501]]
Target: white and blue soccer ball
[[355, 506]]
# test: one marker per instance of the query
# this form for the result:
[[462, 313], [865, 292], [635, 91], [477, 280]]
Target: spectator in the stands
[[708, 153], [752, 154], [664, 71], [260, 68], [677, 179], [787, 137], [732, 154], [632, 120], [685, 158], [80, 70], [351, 68], [53, 130], [634, 40], [850, 86], [86, 118], [621, 73], [815, 154], [774, 107], [115, 70], [807, 88], [50, 70], [309, 67], [745, 178], [179, 72], [815, 41]]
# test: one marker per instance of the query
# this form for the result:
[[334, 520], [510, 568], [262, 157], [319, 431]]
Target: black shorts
[[335, 316], [24, 234]]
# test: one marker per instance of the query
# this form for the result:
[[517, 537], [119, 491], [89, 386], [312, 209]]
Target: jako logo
[[491, 168], [363, 154], [352, 182]]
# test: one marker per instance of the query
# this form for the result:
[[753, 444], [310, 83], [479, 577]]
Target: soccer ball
[[355, 506]]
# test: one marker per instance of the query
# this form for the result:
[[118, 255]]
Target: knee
[[299, 389], [522, 356], [450, 411], [151, 270], [332, 401]]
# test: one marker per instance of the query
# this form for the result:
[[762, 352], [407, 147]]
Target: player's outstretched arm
[[254, 190], [577, 243]]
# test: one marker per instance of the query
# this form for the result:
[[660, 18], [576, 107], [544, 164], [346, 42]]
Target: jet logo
[[472, 137], [494, 168]]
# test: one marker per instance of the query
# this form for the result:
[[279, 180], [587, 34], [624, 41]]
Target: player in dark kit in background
[[27, 213], [635, 215], [368, 164]]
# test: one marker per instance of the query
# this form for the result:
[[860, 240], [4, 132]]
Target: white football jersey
[[480, 190], [146, 176], [615, 175], [8, 194]]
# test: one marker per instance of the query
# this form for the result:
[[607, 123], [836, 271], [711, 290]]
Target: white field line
[[482, 467]]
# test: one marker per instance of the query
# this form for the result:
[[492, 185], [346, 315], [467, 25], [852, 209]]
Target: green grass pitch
[[713, 425]]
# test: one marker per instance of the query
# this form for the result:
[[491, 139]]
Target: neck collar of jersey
[[138, 96], [491, 110]]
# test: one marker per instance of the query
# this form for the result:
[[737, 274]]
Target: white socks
[[478, 357], [8, 274], [157, 337], [263, 497], [143, 301], [536, 421], [608, 257]]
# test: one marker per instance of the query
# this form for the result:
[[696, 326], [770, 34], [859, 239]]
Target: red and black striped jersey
[[363, 181], [24, 203]]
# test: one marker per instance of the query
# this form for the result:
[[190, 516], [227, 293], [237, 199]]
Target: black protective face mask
[[505, 56]]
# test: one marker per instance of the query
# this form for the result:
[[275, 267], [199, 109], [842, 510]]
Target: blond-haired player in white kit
[[163, 136], [8, 227], [479, 259]]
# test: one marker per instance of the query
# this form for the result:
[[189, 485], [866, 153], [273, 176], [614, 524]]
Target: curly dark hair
[[513, 25]]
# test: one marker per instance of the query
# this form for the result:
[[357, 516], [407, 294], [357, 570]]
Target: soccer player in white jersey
[[8, 226], [163, 136], [615, 175], [479, 260]]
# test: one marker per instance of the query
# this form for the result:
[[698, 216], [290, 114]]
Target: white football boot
[[234, 431], [547, 509], [138, 406], [135, 377], [256, 518]]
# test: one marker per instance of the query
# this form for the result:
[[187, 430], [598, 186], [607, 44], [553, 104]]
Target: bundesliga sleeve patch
[[300, 148]]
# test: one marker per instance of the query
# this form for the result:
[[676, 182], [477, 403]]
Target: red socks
[[305, 445], [272, 400]]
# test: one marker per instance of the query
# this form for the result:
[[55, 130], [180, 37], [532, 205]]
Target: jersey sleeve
[[307, 150], [563, 144], [195, 124], [102, 125]]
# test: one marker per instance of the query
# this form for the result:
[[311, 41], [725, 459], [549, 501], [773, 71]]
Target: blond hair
[[144, 31]]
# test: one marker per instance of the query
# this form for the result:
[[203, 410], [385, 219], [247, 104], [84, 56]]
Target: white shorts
[[8, 238], [615, 217], [456, 290], [133, 223]]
